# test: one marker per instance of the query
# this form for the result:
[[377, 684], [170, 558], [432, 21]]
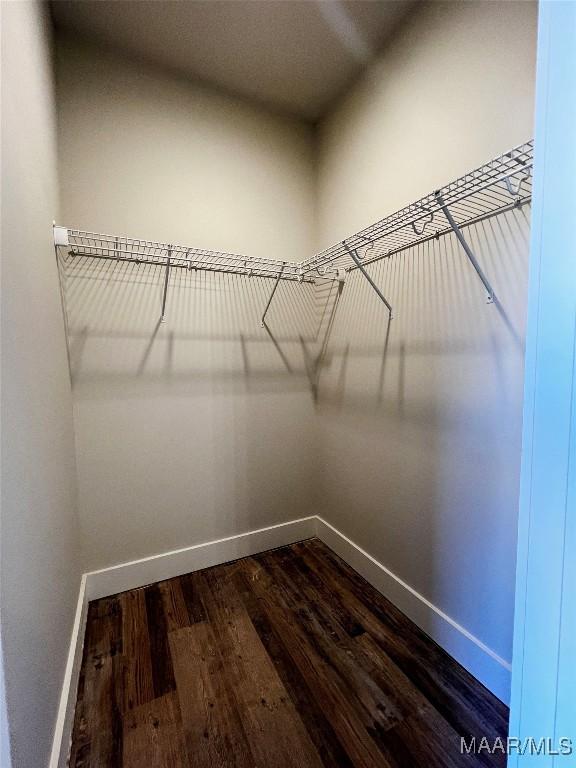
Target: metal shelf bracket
[[263, 318], [467, 250], [354, 256], [165, 291]]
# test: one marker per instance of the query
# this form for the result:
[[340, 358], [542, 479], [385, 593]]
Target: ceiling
[[296, 56]]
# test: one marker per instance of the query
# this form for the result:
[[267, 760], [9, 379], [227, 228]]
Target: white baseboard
[[65, 717], [147, 570], [481, 661]]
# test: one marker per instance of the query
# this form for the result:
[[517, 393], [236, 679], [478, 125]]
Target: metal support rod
[[354, 256], [466, 247], [262, 321], [164, 293]]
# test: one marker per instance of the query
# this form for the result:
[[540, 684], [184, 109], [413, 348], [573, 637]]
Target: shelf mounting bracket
[[165, 291], [263, 318], [467, 250], [354, 256]]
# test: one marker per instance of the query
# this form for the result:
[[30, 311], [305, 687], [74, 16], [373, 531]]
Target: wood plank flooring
[[284, 659]]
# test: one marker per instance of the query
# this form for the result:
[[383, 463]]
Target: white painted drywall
[[420, 429], [200, 427], [146, 154], [453, 89], [40, 543]]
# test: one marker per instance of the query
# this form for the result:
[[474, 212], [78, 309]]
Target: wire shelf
[[126, 249], [500, 185]]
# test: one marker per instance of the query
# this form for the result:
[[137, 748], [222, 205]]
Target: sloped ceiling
[[295, 56]]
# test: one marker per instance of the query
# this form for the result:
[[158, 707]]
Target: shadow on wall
[[439, 310], [420, 419], [211, 338], [205, 425], [194, 428]]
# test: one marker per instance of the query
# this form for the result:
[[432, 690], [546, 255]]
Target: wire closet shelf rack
[[500, 185]]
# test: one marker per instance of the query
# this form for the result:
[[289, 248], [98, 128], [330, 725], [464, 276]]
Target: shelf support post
[[263, 318], [165, 291], [354, 256], [467, 250]]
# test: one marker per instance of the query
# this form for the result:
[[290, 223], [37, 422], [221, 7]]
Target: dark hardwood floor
[[288, 658]]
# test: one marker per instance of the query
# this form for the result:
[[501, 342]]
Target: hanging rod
[[500, 185]]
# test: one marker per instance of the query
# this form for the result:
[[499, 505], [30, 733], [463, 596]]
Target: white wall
[[40, 542], [145, 154], [454, 89], [420, 428], [195, 428]]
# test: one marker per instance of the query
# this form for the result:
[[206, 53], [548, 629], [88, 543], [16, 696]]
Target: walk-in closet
[[265, 299]]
